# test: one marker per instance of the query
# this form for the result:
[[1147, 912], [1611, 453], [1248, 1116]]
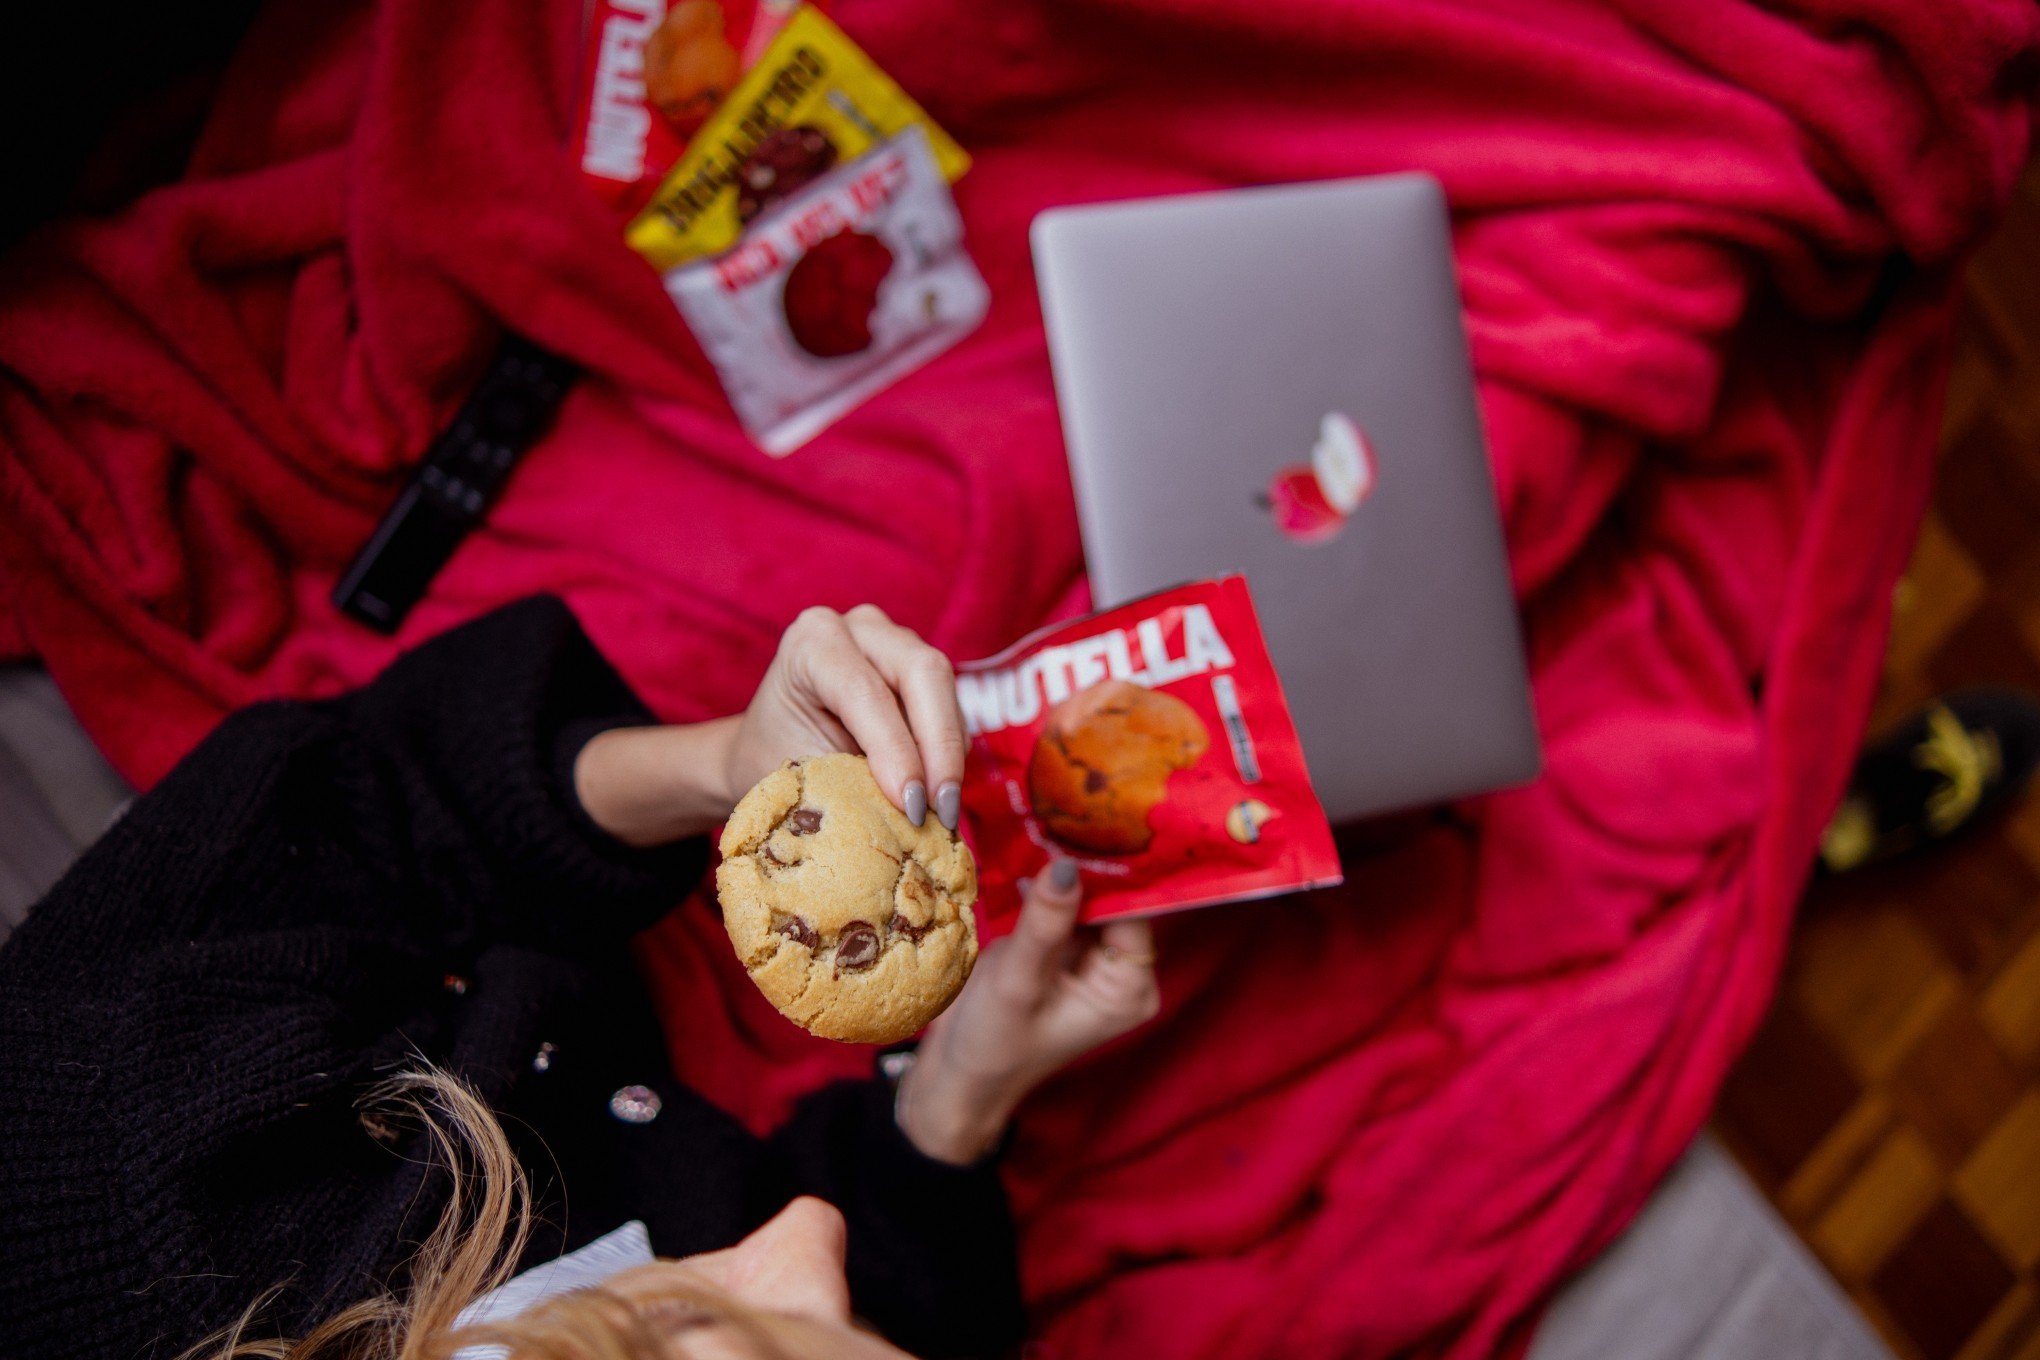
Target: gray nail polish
[[1062, 874], [949, 803], [917, 802]]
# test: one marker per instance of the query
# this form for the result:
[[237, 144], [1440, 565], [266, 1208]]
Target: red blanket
[[1706, 252]]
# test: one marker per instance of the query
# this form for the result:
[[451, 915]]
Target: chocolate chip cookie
[[854, 922], [1103, 762]]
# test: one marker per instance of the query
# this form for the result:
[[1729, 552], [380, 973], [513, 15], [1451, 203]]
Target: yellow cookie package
[[812, 101]]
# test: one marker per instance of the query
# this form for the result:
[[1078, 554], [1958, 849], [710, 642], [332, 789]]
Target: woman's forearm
[[650, 786], [952, 1116]]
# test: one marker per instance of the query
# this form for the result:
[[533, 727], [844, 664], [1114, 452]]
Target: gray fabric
[[1707, 1272], [57, 793]]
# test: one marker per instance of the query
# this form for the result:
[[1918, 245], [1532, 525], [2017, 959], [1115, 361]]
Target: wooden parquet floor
[[1890, 1107]]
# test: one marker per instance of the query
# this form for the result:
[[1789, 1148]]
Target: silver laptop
[[1275, 382]]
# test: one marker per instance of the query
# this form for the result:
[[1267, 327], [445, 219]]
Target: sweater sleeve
[[475, 735], [932, 1256], [433, 806], [187, 1019]]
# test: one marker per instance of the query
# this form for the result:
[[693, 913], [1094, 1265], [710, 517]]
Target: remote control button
[[512, 413]]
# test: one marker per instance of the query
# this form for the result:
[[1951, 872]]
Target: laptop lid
[[1275, 382]]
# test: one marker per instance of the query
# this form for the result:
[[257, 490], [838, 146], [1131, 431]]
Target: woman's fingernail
[[1062, 875], [917, 801], [949, 803]]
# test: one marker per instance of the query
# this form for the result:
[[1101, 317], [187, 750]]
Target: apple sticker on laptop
[[1310, 504]]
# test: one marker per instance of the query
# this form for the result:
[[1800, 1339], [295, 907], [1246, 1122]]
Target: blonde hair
[[475, 1246]]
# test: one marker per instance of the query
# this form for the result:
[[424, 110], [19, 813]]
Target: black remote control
[[455, 484]]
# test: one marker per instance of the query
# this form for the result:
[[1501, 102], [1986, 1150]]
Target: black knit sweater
[[324, 893]]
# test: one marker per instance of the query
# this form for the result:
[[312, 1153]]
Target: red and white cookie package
[[835, 292], [1152, 744]]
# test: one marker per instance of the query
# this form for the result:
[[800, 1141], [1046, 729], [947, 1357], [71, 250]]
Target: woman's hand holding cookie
[[855, 682], [858, 682], [1039, 998]]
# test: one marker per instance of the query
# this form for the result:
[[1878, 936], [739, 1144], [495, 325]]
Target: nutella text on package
[[1152, 744], [652, 73]]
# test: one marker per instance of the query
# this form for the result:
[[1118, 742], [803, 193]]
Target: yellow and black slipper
[[1943, 770]]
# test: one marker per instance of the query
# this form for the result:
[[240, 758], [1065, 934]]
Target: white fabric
[[608, 1255]]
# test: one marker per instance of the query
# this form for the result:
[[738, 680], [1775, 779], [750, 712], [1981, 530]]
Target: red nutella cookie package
[[653, 72], [1152, 744]]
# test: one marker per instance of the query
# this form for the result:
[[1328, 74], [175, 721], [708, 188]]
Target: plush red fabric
[[1706, 252]]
